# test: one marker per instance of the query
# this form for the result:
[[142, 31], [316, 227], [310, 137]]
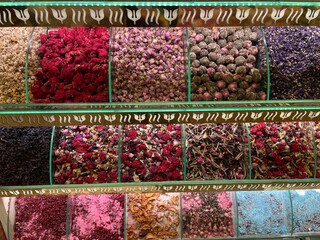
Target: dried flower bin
[[208, 215], [294, 61], [281, 150], [216, 151], [69, 65], [151, 152], [228, 64], [85, 154], [149, 65]]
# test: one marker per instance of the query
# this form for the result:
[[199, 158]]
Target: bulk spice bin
[[227, 64]]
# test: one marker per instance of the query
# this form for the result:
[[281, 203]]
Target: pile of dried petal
[[216, 151], [151, 153], [207, 215], [153, 216], [86, 154], [281, 150], [13, 45]]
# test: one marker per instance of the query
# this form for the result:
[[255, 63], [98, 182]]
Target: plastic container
[[153, 216], [85, 154], [71, 65], [149, 64], [281, 150], [306, 211], [264, 214], [208, 215], [294, 61], [25, 153], [96, 216], [228, 64], [13, 46], [38, 217], [151, 153], [216, 151]]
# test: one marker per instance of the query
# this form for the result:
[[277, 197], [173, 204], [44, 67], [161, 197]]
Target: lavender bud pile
[[24, 154], [294, 62], [226, 64], [149, 65]]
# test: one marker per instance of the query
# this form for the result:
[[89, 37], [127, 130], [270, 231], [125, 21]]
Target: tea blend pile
[[224, 64], [151, 153], [73, 66], [13, 46], [97, 217], [86, 154], [281, 150], [149, 65], [153, 216], [306, 210], [24, 155], [294, 62], [216, 151], [264, 213], [207, 215], [47, 224]]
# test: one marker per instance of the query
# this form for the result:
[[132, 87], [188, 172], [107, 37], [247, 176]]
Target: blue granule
[[264, 213], [306, 210]]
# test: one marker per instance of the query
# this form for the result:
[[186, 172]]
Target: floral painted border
[[160, 187], [47, 119], [160, 16]]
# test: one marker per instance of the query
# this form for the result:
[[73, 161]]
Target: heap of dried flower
[[216, 151], [207, 215], [226, 64], [97, 217], [149, 65], [40, 217], [86, 154], [151, 153], [73, 66], [153, 216], [281, 150], [294, 53]]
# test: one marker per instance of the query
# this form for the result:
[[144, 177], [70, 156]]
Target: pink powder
[[224, 200], [96, 216]]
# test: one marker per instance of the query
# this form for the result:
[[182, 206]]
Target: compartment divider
[[26, 67], [267, 62], [249, 150], [110, 66]]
